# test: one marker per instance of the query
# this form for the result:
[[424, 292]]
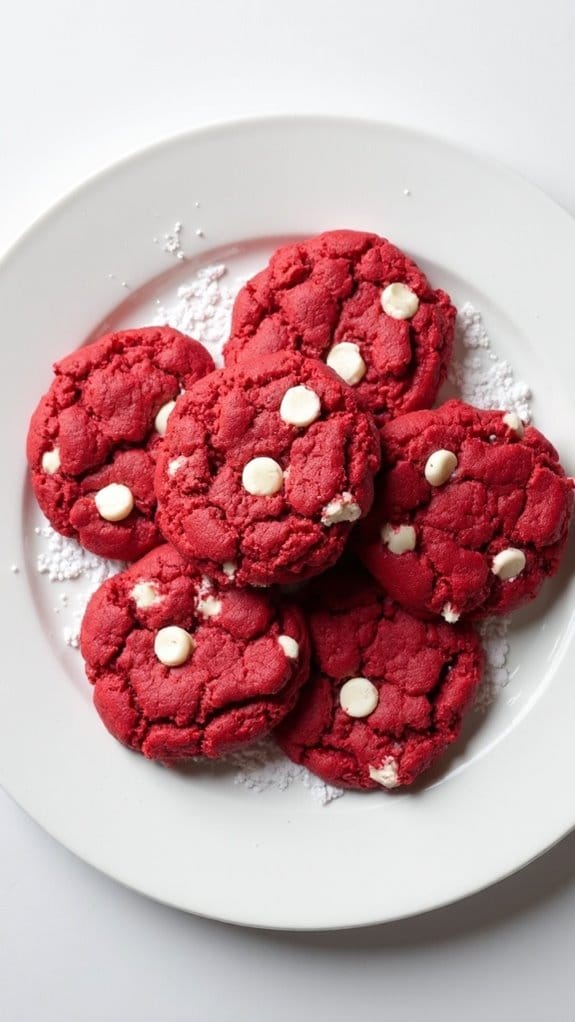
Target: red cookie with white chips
[[181, 668], [387, 692], [357, 302], [263, 470], [94, 437], [471, 512]]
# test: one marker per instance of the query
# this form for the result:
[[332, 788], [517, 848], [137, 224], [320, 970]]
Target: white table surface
[[80, 86]]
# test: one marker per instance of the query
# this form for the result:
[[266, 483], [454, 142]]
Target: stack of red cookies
[[230, 489]]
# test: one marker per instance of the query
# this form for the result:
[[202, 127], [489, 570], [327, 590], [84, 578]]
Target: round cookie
[[263, 470], [93, 439], [358, 303], [387, 692], [181, 668], [471, 512]]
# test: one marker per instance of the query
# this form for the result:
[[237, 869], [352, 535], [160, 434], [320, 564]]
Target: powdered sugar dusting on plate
[[173, 241], [263, 766], [479, 375], [496, 676], [64, 560], [202, 308]]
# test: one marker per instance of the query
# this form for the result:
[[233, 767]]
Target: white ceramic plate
[[200, 842]]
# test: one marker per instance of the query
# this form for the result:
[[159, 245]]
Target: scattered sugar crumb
[[407, 191], [173, 241], [493, 632], [480, 376], [199, 232], [14, 569], [71, 637], [203, 308], [64, 560], [263, 766]]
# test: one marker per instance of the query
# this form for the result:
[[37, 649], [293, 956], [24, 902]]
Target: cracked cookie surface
[[181, 668], [263, 470], [99, 428], [387, 692], [357, 301], [471, 512]]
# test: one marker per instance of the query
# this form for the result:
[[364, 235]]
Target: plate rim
[[213, 127], [162, 146]]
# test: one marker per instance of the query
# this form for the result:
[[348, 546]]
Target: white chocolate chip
[[399, 301], [386, 774], [345, 360], [289, 646], [300, 406], [173, 645], [114, 502], [161, 420], [439, 467], [449, 614], [512, 420], [209, 606], [176, 464], [229, 568], [262, 477], [399, 538], [341, 509], [508, 563], [145, 595], [51, 461], [358, 697]]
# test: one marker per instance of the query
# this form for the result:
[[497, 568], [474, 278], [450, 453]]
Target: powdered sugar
[[172, 241], [480, 376], [64, 560], [262, 766], [202, 309], [496, 676]]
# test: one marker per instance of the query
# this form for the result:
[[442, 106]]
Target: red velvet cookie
[[357, 302], [181, 668], [387, 692], [263, 469], [93, 439], [471, 512]]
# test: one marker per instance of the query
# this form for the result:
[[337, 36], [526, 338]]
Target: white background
[[80, 86]]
